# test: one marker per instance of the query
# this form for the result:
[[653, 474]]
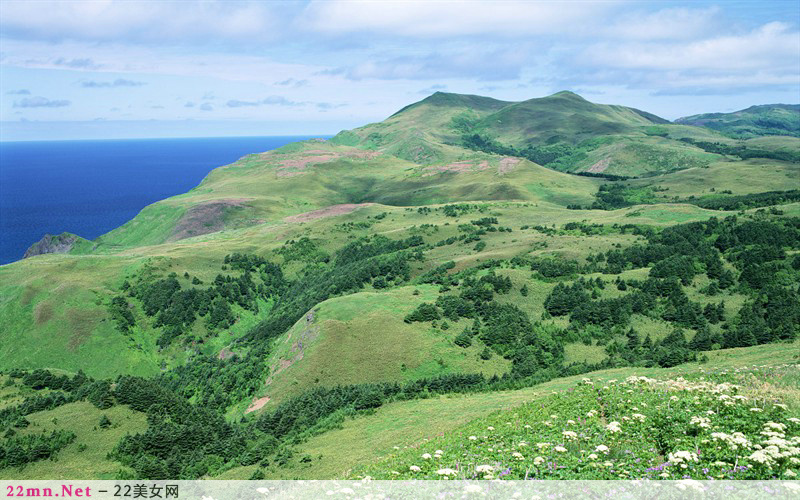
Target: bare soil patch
[[507, 164], [600, 166], [257, 404], [204, 218], [225, 353], [330, 211], [298, 163]]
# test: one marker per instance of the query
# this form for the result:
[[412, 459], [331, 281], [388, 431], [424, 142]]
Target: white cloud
[[438, 19], [773, 45], [119, 82], [41, 102], [665, 24], [119, 58], [470, 61], [139, 21]]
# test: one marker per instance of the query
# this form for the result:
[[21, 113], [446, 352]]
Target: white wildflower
[[570, 435], [446, 472], [414, 468], [538, 461], [702, 422], [426, 456], [614, 427], [601, 449], [682, 458], [560, 449]]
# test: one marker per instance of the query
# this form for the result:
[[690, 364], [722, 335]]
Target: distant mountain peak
[[568, 93]]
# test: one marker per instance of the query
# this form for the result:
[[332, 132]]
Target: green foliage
[[121, 313], [423, 312], [753, 200], [614, 196], [17, 451], [105, 422], [463, 339], [303, 250]]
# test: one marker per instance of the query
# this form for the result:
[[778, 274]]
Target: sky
[[130, 69]]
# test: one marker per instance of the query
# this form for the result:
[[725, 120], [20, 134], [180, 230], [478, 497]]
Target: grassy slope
[[366, 439], [362, 338], [421, 131], [562, 117], [53, 307], [768, 119], [86, 457], [40, 295], [740, 177]]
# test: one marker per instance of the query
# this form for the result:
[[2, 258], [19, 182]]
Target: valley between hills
[[472, 288]]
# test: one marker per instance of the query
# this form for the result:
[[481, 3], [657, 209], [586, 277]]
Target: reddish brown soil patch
[[507, 164], [81, 323], [225, 354], [257, 404], [600, 166], [204, 218], [303, 161], [330, 211], [459, 166], [364, 155], [42, 313], [297, 164]]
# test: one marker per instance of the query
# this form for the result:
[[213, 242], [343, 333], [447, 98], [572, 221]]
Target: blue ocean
[[91, 187]]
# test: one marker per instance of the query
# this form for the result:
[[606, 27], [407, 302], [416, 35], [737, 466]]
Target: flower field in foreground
[[705, 426]]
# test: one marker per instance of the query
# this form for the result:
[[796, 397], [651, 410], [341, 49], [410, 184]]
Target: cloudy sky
[[125, 68]]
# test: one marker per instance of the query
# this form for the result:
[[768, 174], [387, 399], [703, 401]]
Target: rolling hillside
[[755, 121], [447, 261]]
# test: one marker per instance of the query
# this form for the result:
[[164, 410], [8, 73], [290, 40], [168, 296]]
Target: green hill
[[755, 121], [429, 269], [564, 117]]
